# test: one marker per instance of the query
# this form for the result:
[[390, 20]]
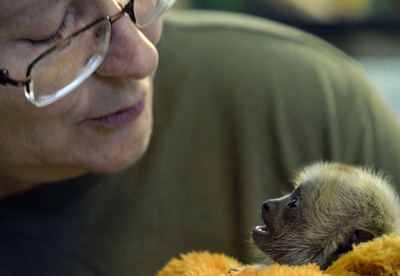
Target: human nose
[[130, 53]]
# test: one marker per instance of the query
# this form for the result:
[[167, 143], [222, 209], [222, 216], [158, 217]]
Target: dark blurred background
[[368, 30]]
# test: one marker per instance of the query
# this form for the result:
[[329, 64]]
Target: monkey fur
[[332, 207]]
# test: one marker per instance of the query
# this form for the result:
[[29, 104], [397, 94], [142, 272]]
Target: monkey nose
[[265, 206]]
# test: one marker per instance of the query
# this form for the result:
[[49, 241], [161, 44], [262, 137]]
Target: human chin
[[106, 149], [130, 146]]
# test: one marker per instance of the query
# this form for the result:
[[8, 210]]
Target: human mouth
[[120, 118]]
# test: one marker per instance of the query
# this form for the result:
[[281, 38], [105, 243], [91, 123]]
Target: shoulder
[[217, 22], [231, 31], [232, 53], [229, 44]]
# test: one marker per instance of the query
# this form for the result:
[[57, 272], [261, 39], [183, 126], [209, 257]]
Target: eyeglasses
[[59, 70]]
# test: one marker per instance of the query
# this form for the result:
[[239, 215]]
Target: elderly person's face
[[101, 126]]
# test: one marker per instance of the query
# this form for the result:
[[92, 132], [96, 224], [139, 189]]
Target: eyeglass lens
[[59, 71], [147, 11]]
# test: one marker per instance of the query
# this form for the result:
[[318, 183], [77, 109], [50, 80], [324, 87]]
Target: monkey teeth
[[262, 229]]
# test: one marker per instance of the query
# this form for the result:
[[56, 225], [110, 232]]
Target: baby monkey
[[333, 207]]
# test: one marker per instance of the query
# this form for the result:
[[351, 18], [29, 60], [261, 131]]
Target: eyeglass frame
[[4, 74]]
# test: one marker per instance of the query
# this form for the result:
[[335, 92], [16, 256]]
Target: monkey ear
[[358, 236], [361, 235]]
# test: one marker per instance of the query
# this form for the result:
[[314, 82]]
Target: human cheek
[[19, 121], [24, 123]]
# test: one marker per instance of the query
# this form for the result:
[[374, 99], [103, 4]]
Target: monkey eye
[[292, 203]]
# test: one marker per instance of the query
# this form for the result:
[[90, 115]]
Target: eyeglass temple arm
[[4, 79], [128, 8]]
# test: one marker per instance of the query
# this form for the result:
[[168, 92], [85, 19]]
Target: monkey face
[[284, 236], [333, 207]]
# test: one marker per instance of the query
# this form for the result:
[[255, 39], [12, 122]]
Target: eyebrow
[[25, 17], [24, 11]]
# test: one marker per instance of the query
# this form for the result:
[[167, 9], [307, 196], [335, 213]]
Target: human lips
[[121, 117]]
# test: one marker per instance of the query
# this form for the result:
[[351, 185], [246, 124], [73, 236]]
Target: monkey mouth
[[261, 230], [264, 231], [261, 235]]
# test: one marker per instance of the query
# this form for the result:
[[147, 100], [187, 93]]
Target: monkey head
[[332, 207]]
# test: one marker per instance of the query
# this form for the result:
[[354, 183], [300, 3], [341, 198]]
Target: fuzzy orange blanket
[[378, 257]]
